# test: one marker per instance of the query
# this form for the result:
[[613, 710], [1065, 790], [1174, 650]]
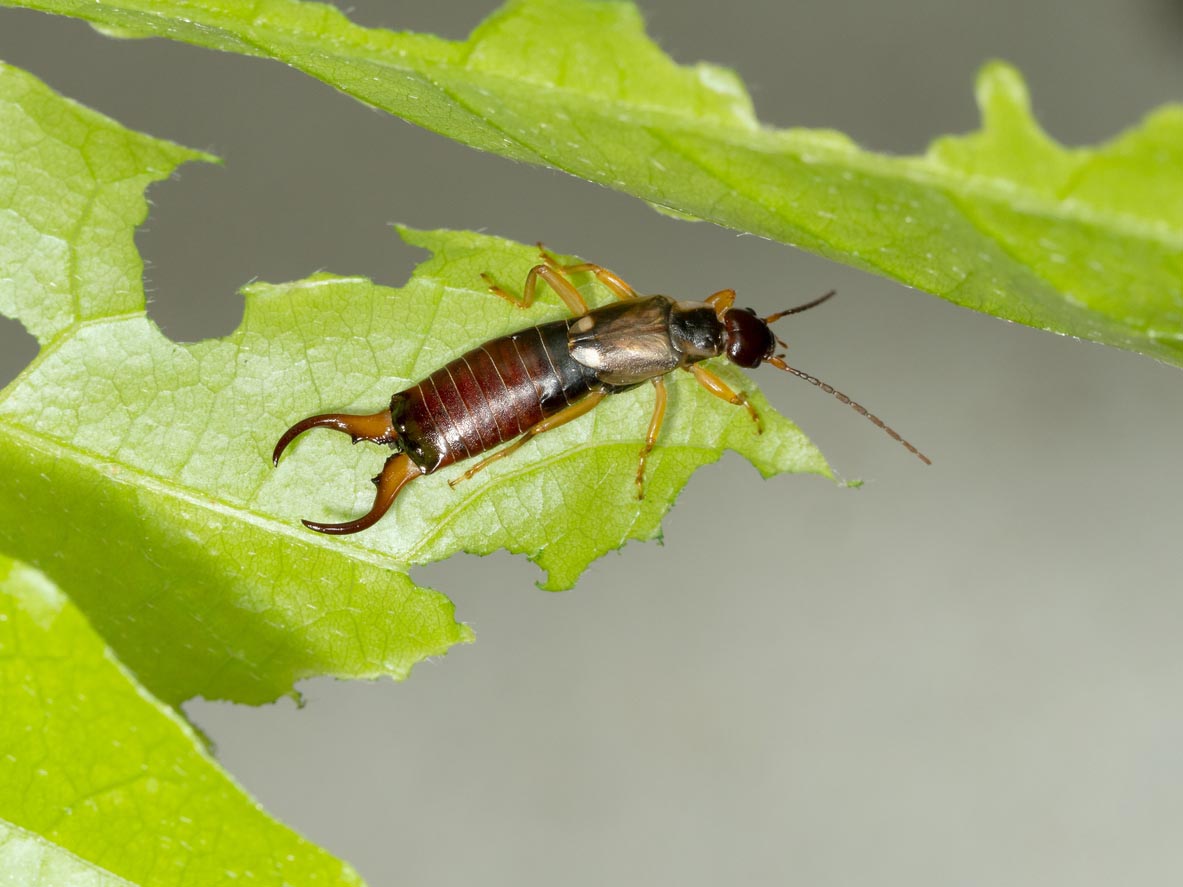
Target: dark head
[[749, 338], [750, 341]]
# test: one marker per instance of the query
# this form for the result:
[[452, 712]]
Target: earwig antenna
[[773, 318], [780, 364]]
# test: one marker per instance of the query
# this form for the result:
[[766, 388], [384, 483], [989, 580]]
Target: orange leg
[[611, 280], [553, 275], [719, 388], [562, 417], [721, 301], [651, 435]]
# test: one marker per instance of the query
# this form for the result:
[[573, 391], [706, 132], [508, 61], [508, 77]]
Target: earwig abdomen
[[490, 395]]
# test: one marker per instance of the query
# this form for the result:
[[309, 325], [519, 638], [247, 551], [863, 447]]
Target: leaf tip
[[413, 236], [1001, 92], [205, 157]]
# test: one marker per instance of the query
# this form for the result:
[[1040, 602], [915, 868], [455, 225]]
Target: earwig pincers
[[516, 387]]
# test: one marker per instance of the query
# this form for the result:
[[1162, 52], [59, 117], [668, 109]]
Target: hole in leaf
[[290, 198], [17, 349], [192, 265]]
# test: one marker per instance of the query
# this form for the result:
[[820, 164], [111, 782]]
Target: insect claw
[[398, 471], [378, 427]]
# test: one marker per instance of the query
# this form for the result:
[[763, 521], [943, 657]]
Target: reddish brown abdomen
[[490, 395]]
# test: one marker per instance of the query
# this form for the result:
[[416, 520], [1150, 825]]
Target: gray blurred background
[[968, 674]]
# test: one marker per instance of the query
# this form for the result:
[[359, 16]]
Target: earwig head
[[750, 341]]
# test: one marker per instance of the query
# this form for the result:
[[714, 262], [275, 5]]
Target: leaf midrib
[[130, 475]]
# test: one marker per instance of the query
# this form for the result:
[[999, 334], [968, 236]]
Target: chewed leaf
[[100, 784], [1086, 242], [136, 471]]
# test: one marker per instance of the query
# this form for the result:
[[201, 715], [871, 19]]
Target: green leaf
[[1086, 242], [136, 471], [102, 784], [31, 861]]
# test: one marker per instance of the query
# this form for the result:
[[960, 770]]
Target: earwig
[[516, 387]]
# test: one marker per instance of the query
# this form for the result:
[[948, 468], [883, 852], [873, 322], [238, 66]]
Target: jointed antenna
[[773, 318], [779, 363]]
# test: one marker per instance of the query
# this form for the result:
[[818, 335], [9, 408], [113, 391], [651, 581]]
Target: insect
[[533, 381]]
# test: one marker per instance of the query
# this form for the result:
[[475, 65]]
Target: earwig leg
[[719, 388], [611, 280], [651, 435], [398, 471], [552, 275], [562, 417], [721, 301], [565, 288], [615, 284], [378, 427]]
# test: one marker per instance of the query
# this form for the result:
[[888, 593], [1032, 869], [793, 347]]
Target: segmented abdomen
[[490, 395]]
